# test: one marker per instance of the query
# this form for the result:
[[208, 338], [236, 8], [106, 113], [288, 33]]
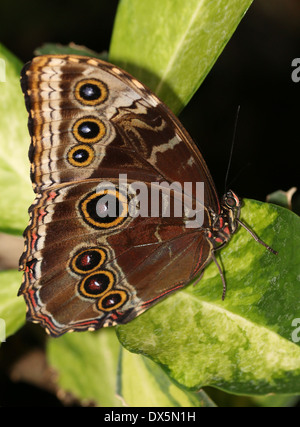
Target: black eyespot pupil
[[111, 300], [97, 284], [106, 207], [88, 260], [80, 155], [90, 92], [88, 130]]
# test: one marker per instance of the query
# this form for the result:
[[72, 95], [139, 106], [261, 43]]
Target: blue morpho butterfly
[[89, 122]]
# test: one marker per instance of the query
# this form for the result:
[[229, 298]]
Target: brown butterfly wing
[[145, 258], [141, 137], [79, 272]]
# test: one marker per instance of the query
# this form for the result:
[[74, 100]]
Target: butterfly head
[[230, 212], [231, 201]]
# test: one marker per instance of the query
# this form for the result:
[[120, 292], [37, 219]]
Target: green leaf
[[276, 401], [86, 364], [12, 307], [282, 198], [244, 344], [70, 49], [15, 186], [143, 383], [171, 45]]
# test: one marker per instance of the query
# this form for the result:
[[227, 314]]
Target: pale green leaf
[[171, 45], [12, 307], [86, 365], [15, 187], [142, 383], [244, 344], [70, 49]]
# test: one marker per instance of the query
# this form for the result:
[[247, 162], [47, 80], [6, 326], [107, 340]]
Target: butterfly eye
[[89, 130], [81, 155], [231, 202], [96, 284], [91, 92], [112, 301]]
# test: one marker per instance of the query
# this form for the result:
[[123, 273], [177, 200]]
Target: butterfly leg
[[221, 274], [257, 239], [199, 278]]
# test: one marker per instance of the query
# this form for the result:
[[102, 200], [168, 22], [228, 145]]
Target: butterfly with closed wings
[[89, 122]]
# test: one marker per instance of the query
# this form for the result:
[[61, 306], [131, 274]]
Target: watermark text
[[155, 199], [296, 331], [296, 70]]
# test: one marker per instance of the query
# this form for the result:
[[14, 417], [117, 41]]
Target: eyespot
[[105, 209], [112, 300], [89, 130], [91, 92], [81, 155], [97, 284], [88, 260]]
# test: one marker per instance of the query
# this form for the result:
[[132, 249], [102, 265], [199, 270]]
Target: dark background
[[254, 71]]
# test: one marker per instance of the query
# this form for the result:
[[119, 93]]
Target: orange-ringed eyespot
[[91, 92], [81, 155], [88, 260], [112, 300], [89, 130], [96, 284], [105, 209]]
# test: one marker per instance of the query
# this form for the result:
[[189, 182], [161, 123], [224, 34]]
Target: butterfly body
[[89, 122]]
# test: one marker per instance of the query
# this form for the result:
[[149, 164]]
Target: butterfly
[[89, 261]]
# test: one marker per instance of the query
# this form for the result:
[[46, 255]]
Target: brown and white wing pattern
[[89, 122]]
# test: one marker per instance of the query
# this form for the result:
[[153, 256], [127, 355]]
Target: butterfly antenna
[[232, 145]]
